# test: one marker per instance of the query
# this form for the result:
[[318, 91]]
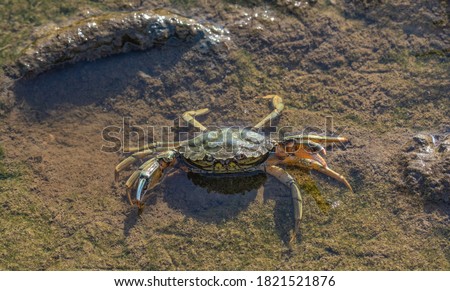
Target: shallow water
[[380, 72]]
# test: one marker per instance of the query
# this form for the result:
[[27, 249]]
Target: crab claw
[[129, 161], [148, 178], [302, 154], [140, 191], [311, 150], [313, 164], [147, 181], [329, 172]]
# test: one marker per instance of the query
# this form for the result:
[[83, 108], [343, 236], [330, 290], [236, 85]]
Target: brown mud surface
[[381, 70]]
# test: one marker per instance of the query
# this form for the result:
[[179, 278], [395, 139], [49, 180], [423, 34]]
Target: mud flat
[[380, 69]]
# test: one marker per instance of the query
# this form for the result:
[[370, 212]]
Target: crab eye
[[209, 158], [240, 156]]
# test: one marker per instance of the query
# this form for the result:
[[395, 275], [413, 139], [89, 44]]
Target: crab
[[230, 151]]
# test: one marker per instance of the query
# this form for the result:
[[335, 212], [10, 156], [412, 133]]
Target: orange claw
[[329, 172], [303, 151], [303, 154], [313, 164]]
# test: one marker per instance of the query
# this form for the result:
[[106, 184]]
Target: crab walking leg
[[314, 165], [189, 116], [131, 183], [325, 140], [156, 146], [282, 176], [277, 102], [130, 160]]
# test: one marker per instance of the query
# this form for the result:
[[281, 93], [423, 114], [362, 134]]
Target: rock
[[427, 167], [108, 34], [296, 7]]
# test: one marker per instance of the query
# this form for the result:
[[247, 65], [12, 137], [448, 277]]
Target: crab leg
[[325, 140], [131, 183], [130, 160], [150, 175], [132, 180], [148, 178], [315, 165], [302, 150], [156, 146], [189, 116], [282, 176], [329, 172], [277, 102]]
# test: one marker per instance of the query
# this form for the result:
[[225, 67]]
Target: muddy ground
[[381, 70]]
